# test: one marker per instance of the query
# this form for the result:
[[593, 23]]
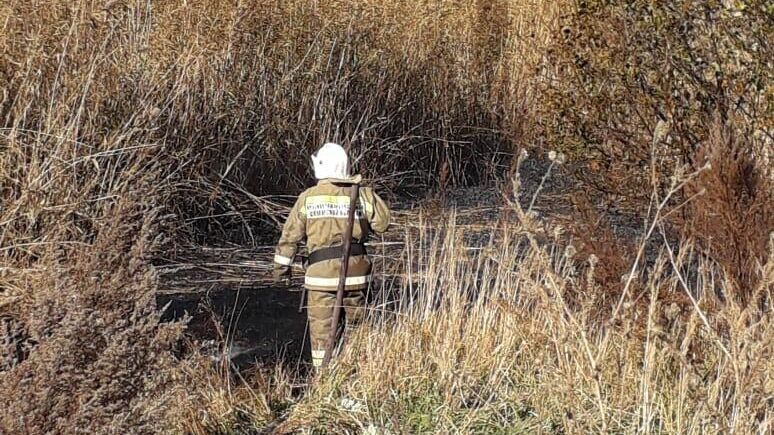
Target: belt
[[335, 252]]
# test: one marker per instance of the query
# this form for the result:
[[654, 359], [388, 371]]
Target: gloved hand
[[280, 274]]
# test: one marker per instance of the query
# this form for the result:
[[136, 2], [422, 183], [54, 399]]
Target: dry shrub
[[81, 187], [101, 359], [732, 215], [608, 256], [632, 88], [640, 91]]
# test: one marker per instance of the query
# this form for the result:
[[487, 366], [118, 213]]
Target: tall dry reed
[[121, 120]]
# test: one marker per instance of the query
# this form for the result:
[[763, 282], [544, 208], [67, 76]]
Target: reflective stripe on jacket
[[320, 217]]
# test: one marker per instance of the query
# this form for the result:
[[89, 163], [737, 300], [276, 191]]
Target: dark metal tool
[[303, 288], [346, 250]]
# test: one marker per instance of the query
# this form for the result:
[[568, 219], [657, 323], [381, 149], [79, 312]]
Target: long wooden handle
[[346, 251]]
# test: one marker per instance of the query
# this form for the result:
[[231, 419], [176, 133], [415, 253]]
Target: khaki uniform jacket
[[320, 217]]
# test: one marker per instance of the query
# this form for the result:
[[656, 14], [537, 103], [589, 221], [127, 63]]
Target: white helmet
[[331, 161]]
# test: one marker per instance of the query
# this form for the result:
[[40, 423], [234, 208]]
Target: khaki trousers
[[320, 311]]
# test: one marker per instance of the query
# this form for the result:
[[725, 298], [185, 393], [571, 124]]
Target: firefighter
[[319, 216]]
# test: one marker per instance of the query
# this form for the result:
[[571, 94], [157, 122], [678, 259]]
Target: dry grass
[[506, 337], [128, 127], [490, 344]]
